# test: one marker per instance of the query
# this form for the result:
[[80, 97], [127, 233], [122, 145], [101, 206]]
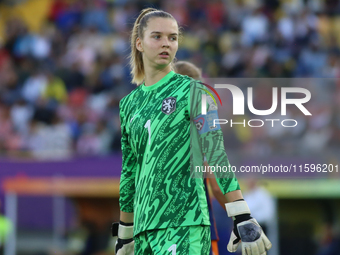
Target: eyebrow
[[156, 32]]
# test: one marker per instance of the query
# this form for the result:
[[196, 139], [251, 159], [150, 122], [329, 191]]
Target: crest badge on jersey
[[169, 105]]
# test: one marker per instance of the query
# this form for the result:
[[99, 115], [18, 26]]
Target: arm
[[233, 195], [126, 217], [215, 188], [129, 166], [246, 229], [209, 138], [213, 147], [221, 199], [124, 229]]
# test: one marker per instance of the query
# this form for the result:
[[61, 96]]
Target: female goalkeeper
[[163, 208]]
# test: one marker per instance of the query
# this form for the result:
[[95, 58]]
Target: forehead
[[163, 25]]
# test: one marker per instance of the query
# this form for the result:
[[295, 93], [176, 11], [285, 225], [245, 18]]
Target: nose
[[165, 43]]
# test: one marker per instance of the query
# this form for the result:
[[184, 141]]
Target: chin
[[164, 63]]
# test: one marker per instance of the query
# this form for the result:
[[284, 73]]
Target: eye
[[173, 38], [157, 36]]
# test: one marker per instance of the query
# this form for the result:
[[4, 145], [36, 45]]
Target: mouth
[[164, 54]]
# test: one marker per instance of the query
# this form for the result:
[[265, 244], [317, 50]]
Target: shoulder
[[186, 81], [124, 102], [181, 78]]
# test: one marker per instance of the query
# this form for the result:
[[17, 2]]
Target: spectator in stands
[[55, 91]]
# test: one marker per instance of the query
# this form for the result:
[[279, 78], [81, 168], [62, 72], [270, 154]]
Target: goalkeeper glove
[[247, 230], [124, 244]]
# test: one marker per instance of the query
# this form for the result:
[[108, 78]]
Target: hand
[[125, 243], [247, 230]]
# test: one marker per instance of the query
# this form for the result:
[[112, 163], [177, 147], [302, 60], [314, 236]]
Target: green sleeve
[[129, 165], [213, 148], [211, 142]]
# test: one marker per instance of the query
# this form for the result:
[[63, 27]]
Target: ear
[[139, 45]]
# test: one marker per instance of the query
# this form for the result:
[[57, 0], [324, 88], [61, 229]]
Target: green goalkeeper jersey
[[155, 181]]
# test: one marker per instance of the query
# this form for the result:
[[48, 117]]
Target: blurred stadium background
[[64, 68]]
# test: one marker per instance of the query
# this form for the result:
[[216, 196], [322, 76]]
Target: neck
[[152, 76]]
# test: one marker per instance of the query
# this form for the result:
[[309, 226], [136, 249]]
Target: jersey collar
[[161, 82]]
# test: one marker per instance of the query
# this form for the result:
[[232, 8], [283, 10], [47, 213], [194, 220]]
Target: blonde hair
[[136, 60], [189, 69]]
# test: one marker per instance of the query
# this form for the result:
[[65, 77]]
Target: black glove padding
[[239, 219]]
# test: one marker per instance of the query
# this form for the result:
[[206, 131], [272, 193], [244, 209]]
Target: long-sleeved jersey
[[157, 128]]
